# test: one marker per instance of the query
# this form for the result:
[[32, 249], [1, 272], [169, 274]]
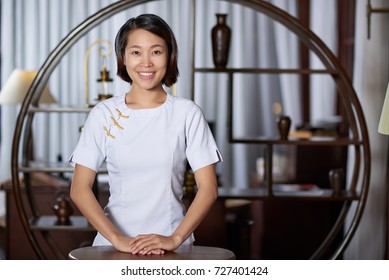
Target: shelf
[[78, 223], [262, 194], [314, 141], [267, 71], [50, 167], [46, 169], [34, 109]]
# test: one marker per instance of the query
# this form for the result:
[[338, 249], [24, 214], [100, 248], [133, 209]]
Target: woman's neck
[[136, 99]]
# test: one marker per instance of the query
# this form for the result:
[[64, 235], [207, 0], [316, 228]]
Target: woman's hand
[[145, 244], [123, 244]]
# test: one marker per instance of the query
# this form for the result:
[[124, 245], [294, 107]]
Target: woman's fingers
[[144, 244]]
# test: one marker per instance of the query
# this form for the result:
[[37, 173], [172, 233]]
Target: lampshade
[[383, 126], [17, 85]]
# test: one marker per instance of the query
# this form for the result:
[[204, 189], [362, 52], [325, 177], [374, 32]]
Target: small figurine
[[62, 210]]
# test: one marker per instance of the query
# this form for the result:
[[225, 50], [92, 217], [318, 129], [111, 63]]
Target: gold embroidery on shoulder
[[116, 123], [120, 114], [108, 132]]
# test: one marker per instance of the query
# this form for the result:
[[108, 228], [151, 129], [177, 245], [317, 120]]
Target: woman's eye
[[157, 52], [135, 53]]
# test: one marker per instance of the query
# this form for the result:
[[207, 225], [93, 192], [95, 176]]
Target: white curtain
[[371, 69], [322, 87], [371, 65], [32, 28]]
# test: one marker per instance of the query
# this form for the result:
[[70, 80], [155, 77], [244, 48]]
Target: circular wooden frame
[[358, 128]]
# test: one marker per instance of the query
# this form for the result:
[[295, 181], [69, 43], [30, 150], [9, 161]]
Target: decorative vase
[[221, 37], [284, 123], [62, 210], [336, 177]]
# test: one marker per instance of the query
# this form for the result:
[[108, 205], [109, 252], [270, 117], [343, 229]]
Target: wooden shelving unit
[[356, 191]]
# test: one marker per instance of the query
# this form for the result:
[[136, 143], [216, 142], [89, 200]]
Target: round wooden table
[[185, 253]]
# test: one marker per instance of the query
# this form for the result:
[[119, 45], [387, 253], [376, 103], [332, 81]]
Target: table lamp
[[17, 85], [14, 91], [383, 126]]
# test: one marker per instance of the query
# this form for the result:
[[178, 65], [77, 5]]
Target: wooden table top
[[185, 253]]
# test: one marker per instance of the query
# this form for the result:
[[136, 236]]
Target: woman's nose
[[146, 61]]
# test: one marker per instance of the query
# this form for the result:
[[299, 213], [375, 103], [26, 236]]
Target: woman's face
[[146, 57]]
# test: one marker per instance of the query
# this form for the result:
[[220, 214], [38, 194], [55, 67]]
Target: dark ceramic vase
[[221, 37], [284, 123], [62, 210], [336, 177]]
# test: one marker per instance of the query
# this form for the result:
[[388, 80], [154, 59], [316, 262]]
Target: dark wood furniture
[[18, 246], [211, 232], [185, 253], [356, 140]]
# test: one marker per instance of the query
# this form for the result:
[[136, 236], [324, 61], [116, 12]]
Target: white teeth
[[146, 73]]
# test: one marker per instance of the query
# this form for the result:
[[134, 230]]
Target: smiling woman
[[43, 25], [146, 148]]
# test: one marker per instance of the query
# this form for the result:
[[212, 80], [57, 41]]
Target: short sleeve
[[90, 150], [201, 148]]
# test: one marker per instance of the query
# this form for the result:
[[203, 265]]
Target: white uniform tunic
[[145, 151]]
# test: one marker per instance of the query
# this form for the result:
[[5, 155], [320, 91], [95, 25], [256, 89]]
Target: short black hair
[[157, 26]]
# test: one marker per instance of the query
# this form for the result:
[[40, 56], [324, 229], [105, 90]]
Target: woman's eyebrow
[[153, 46]]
